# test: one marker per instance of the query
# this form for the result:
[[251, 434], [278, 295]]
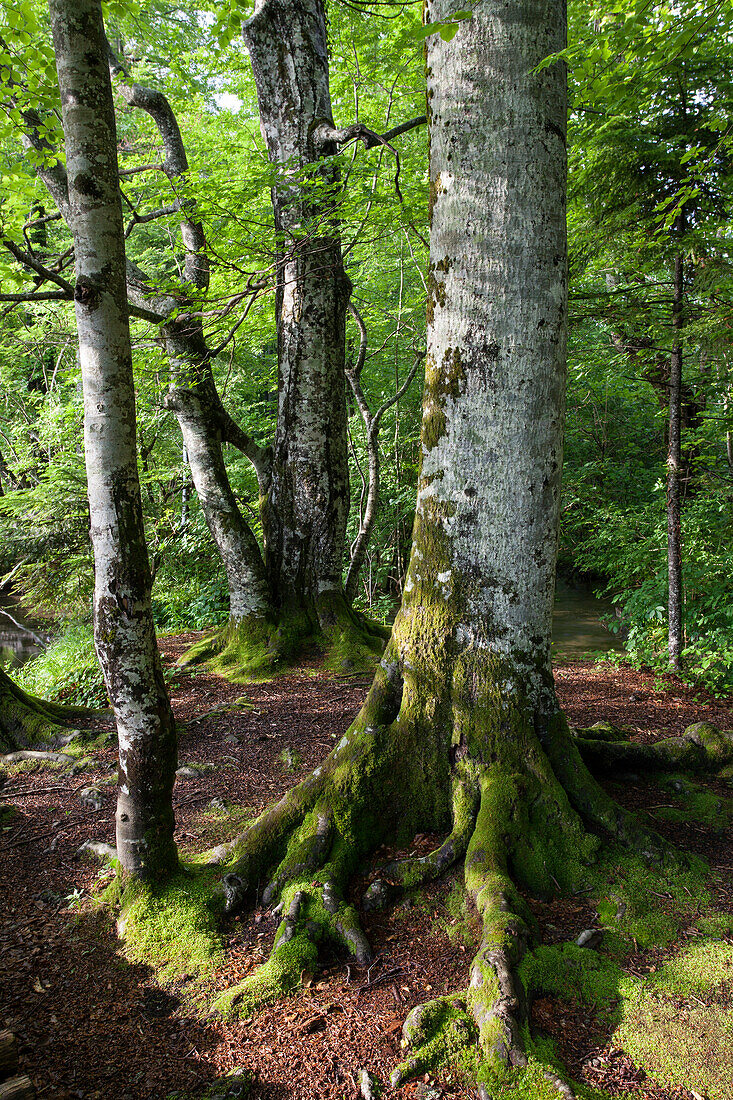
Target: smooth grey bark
[[123, 624], [495, 372], [193, 396]]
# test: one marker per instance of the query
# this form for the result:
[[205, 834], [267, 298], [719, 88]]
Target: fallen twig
[[59, 829], [39, 790], [387, 976], [197, 798]]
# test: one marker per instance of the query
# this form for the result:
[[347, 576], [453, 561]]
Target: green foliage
[[650, 178], [68, 671]]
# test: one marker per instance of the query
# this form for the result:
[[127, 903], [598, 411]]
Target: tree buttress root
[[531, 821]]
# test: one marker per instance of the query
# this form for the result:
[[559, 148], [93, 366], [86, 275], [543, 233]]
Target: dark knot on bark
[[86, 293]]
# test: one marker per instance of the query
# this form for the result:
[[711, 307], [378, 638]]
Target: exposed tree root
[[245, 650], [528, 818], [401, 875], [25, 720], [701, 748], [34, 754]]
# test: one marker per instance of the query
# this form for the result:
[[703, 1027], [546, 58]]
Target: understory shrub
[[68, 671]]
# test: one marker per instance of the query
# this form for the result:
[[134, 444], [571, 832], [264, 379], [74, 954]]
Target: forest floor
[[91, 1023]]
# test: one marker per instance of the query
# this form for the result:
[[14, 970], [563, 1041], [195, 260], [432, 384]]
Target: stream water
[[21, 636], [576, 626]]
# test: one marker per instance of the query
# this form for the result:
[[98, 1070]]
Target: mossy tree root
[[408, 874], [307, 887], [531, 833], [701, 748], [525, 834], [251, 648], [25, 720], [589, 799], [256, 648], [526, 814]]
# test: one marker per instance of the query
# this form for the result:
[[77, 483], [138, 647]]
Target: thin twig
[[387, 976], [59, 829]]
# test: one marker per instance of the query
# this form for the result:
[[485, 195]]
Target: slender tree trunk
[[123, 625], [193, 396], [307, 503], [203, 423], [294, 590], [368, 509], [674, 463]]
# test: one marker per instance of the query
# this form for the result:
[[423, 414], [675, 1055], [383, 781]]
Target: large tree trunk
[[307, 503], [123, 624], [461, 730]]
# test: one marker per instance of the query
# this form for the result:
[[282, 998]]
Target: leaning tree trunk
[[123, 624], [204, 425], [307, 503], [294, 593], [461, 730]]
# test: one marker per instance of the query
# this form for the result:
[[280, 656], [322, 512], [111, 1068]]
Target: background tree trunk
[[674, 462], [123, 625], [308, 499]]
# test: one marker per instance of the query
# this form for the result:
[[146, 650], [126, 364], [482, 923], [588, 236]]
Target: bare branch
[[403, 128], [124, 173], [220, 347], [42, 220], [153, 215], [325, 134], [419, 356], [40, 296], [359, 365], [143, 314], [30, 262], [175, 166]]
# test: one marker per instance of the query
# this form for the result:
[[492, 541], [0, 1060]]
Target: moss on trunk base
[[247, 650]]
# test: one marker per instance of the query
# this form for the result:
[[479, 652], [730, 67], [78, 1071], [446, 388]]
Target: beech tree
[[290, 588], [123, 625], [461, 731]]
